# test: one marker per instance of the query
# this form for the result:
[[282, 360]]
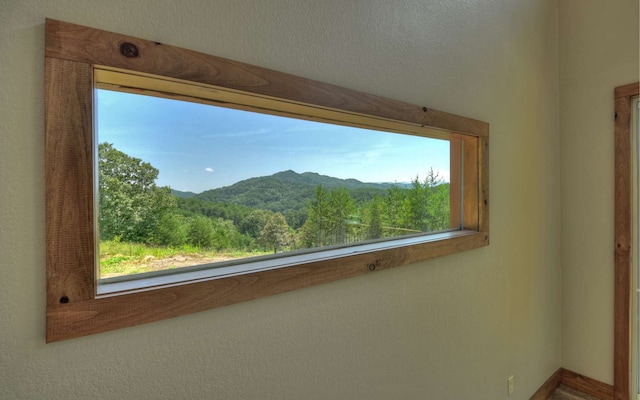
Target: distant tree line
[[132, 208]]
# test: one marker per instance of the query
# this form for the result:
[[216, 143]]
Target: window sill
[[199, 273], [114, 311]]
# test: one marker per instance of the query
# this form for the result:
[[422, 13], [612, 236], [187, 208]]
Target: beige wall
[[452, 328], [598, 51]]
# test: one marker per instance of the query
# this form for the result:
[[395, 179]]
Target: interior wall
[[598, 51], [450, 328]]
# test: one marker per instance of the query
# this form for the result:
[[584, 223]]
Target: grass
[[121, 258]]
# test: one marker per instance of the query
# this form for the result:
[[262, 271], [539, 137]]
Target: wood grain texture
[[69, 181], [71, 50], [470, 182], [545, 391], [92, 46], [455, 179], [171, 88], [576, 381], [622, 240], [80, 318], [483, 182], [629, 90], [469, 158], [587, 385]]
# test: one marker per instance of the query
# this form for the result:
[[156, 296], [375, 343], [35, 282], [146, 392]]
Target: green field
[[120, 258]]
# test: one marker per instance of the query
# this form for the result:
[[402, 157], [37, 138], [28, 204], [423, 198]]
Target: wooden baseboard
[[587, 385], [576, 381], [549, 386]]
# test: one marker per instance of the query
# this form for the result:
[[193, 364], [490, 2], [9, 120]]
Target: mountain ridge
[[287, 190]]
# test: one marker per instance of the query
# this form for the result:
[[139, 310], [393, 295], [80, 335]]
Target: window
[[241, 200], [87, 70]]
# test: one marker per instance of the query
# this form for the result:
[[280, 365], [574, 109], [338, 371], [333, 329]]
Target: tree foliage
[[253, 223], [341, 208], [373, 218], [200, 232], [131, 205], [427, 204], [134, 209], [172, 230], [275, 234]]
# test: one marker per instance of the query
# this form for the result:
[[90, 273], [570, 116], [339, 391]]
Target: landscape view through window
[[182, 183]]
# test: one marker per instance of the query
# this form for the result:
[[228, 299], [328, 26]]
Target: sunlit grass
[[121, 258]]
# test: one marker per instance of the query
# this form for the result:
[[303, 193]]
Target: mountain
[[182, 195], [289, 190]]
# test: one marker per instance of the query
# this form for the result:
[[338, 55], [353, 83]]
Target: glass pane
[[183, 183]]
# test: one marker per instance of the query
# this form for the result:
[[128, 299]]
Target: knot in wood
[[129, 50]]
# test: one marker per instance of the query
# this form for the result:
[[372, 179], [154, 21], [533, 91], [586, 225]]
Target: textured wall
[[598, 51], [452, 328]]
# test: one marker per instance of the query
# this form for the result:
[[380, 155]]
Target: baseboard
[[576, 381], [587, 385], [549, 386]]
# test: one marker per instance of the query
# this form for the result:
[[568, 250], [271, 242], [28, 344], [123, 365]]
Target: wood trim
[[575, 381], [621, 389], [622, 241], [160, 86], [73, 309], [629, 90], [472, 180], [483, 184], [587, 385], [455, 188], [87, 45], [85, 317], [470, 177], [69, 181], [546, 390]]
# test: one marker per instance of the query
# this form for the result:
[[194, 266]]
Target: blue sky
[[198, 147]]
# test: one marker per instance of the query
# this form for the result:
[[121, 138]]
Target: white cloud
[[209, 169]]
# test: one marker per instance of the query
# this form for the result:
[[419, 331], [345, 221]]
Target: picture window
[[182, 185]]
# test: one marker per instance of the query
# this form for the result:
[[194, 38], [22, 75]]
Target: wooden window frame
[[623, 214], [74, 309]]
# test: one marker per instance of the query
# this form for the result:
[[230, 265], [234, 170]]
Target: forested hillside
[[282, 212], [288, 191]]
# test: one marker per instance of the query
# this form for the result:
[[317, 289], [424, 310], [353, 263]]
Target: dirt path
[[178, 261], [151, 263]]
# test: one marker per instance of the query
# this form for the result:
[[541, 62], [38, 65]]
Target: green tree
[[415, 206], [172, 230], [393, 207], [275, 233], [306, 236], [200, 232], [130, 204], [317, 224], [341, 207], [296, 217], [227, 237], [426, 206], [373, 218], [253, 223], [439, 202]]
